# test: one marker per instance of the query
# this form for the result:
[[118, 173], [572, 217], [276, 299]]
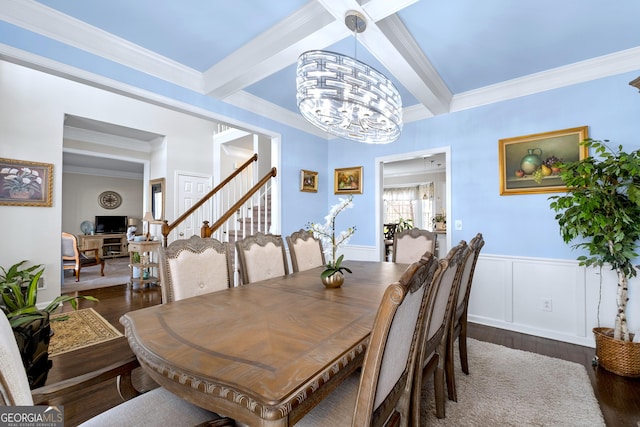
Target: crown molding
[[50, 23], [579, 72]]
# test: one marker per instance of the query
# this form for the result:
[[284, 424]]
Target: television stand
[[109, 245]]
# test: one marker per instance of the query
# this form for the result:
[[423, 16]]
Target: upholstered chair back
[[262, 256], [475, 246], [409, 245], [305, 250], [14, 384], [69, 247], [445, 294], [194, 266]]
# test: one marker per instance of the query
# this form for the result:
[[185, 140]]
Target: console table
[[146, 262], [108, 245]]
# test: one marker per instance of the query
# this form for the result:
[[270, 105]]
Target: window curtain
[[398, 203]]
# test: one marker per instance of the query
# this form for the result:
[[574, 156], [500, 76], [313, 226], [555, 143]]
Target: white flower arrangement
[[23, 179], [330, 242]]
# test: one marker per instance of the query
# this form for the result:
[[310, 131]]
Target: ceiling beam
[[384, 37], [273, 50]]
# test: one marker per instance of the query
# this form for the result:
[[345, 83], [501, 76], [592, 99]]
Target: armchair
[[75, 259]]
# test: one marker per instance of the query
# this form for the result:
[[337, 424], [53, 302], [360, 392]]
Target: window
[[398, 203]]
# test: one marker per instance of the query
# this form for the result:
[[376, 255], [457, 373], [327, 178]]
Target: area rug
[[116, 272], [507, 387], [83, 328]]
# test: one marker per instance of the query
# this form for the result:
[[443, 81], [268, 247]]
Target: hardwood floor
[[619, 397]]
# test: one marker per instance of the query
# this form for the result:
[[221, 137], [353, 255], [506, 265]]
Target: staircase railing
[[226, 202], [208, 230]]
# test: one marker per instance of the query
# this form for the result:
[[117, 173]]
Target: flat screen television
[[111, 224]]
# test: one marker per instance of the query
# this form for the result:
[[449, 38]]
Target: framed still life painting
[[528, 164]]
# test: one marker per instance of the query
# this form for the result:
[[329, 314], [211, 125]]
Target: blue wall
[[516, 225]]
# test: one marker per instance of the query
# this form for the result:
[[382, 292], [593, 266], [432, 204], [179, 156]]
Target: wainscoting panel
[[491, 293], [550, 298], [544, 295], [554, 299]]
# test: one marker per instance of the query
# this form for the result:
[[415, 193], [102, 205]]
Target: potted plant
[[440, 222], [135, 259], [332, 276], [602, 208], [19, 288]]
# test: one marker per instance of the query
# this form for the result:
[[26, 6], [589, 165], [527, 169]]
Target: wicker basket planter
[[617, 356]]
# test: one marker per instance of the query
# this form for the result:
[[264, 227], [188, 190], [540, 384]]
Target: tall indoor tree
[[602, 208]]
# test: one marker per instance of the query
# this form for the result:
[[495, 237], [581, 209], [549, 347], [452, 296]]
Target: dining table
[[263, 353]]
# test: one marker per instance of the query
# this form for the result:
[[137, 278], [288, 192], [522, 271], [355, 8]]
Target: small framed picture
[[308, 181], [25, 183], [348, 180], [528, 164]]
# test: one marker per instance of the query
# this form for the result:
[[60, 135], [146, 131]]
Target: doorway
[[411, 167]]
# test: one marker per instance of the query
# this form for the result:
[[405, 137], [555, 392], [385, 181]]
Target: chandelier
[[346, 97]]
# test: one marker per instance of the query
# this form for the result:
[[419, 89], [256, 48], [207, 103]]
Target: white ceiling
[[444, 56]]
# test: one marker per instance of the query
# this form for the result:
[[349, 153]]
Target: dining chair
[[409, 245], [381, 393], [389, 231], [76, 259], [194, 266], [305, 250], [458, 324], [433, 343], [261, 257], [156, 407]]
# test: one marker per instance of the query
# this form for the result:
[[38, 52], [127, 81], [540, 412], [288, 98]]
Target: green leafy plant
[[19, 291], [404, 224], [333, 268], [602, 207]]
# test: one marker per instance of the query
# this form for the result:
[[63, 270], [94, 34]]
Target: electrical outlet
[[458, 224], [547, 304], [41, 283]]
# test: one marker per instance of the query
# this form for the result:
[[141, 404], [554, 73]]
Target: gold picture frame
[[308, 181], [24, 183], [348, 180], [525, 162]]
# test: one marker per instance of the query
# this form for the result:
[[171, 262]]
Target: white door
[[192, 188]]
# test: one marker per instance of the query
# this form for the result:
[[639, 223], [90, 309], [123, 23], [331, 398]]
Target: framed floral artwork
[[308, 181], [25, 183], [528, 164], [348, 180]]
